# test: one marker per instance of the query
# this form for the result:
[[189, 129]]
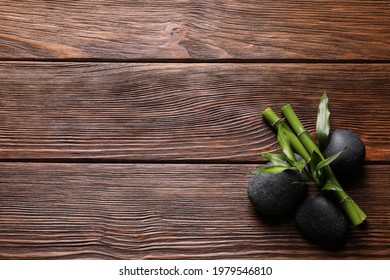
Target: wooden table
[[128, 129]]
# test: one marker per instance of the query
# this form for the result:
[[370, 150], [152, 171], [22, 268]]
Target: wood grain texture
[[128, 129], [164, 211], [180, 112], [195, 29]]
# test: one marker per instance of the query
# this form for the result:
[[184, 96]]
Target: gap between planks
[[203, 61], [162, 162]]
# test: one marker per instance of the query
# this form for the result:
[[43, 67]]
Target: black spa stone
[[322, 221], [351, 159], [276, 194]]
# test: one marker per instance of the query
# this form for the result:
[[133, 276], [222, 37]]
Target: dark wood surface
[[178, 111], [128, 130], [163, 211], [215, 29]]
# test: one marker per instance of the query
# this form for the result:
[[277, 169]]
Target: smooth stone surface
[[276, 194], [352, 158], [322, 221]]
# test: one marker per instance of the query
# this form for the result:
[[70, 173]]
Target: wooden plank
[[176, 112], [282, 29], [165, 211]]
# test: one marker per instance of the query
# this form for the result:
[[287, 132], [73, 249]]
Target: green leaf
[[330, 186], [284, 143], [323, 121], [277, 159], [304, 183], [315, 160], [300, 165], [328, 160], [275, 169]]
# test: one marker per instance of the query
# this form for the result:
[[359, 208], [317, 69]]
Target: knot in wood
[[176, 32]]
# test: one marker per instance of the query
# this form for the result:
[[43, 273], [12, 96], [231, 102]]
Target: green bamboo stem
[[295, 143], [356, 215], [273, 119], [298, 128]]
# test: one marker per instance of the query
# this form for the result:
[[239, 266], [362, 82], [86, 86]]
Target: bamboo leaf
[[323, 121], [285, 144], [310, 183], [315, 160], [300, 165], [330, 186], [277, 159], [275, 169], [328, 160]]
